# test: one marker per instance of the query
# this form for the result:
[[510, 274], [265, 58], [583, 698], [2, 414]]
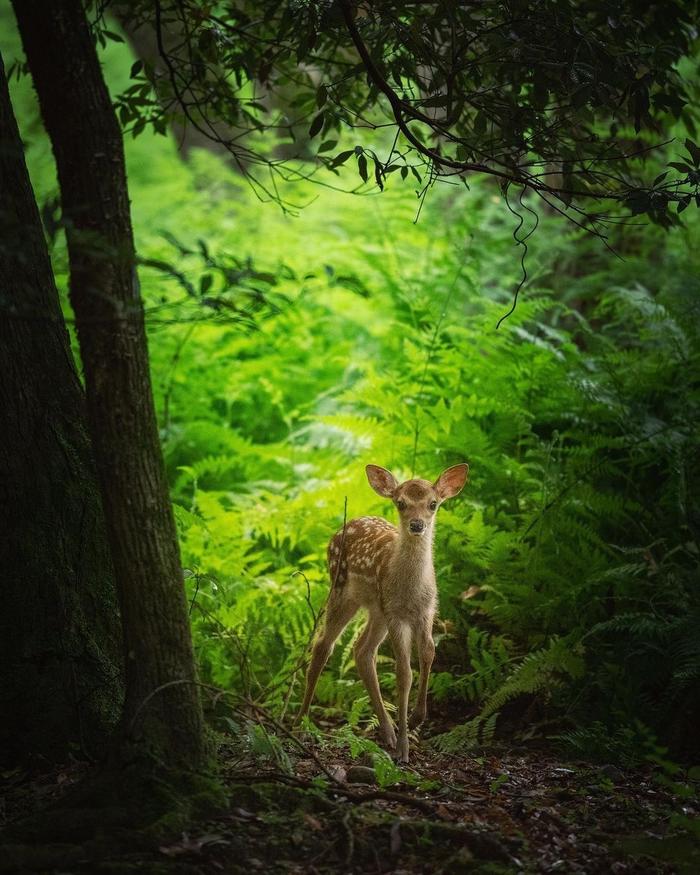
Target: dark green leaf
[[362, 167], [342, 157], [378, 173], [693, 151], [316, 125]]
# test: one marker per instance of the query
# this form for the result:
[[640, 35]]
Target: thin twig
[[342, 545], [520, 241]]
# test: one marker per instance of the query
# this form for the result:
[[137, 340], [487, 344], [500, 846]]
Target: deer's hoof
[[389, 736], [416, 718], [402, 751]]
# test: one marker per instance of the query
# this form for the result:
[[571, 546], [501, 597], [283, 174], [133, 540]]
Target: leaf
[[342, 157], [113, 36], [362, 167], [136, 68], [378, 171], [693, 151], [321, 95], [683, 168], [498, 782], [327, 145], [638, 202], [316, 125], [205, 283]]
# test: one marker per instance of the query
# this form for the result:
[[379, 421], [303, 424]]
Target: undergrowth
[[288, 352]]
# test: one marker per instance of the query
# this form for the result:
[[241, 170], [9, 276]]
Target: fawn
[[389, 571]]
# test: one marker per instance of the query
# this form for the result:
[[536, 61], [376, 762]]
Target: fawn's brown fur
[[389, 572]]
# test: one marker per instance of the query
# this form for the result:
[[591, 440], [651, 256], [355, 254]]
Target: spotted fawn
[[389, 571]]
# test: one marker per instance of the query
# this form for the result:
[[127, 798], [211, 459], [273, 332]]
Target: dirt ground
[[507, 810]]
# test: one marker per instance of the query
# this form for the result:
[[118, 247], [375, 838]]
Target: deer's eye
[[433, 504], [401, 504]]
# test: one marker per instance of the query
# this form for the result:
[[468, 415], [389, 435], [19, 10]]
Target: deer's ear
[[451, 481], [381, 480]]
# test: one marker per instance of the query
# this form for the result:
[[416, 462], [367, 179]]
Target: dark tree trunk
[[162, 707], [60, 636]]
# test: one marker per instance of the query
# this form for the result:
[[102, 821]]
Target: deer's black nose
[[416, 526]]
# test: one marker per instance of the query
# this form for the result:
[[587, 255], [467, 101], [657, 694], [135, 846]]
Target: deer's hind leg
[[339, 611], [366, 662]]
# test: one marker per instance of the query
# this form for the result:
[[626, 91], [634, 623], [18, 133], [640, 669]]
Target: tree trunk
[[60, 641], [162, 708]]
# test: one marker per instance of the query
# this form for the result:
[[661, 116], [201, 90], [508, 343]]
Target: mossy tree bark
[[60, 638], [162, 708]]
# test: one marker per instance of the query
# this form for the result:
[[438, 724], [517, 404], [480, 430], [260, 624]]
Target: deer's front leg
[[426, 655], [401, 641]]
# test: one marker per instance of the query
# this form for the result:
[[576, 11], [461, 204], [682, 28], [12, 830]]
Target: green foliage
[[385, 769], [626, 745], [288, 352], [489, 662], [567, 567], [562, 98], [473, 734]]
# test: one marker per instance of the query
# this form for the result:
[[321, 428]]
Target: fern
[[473, 734], [579, 419]]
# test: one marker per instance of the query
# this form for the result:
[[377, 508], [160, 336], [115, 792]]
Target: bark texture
[[162, 707], [60, 635]]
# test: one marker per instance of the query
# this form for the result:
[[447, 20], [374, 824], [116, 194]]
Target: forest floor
[[505, 811]]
